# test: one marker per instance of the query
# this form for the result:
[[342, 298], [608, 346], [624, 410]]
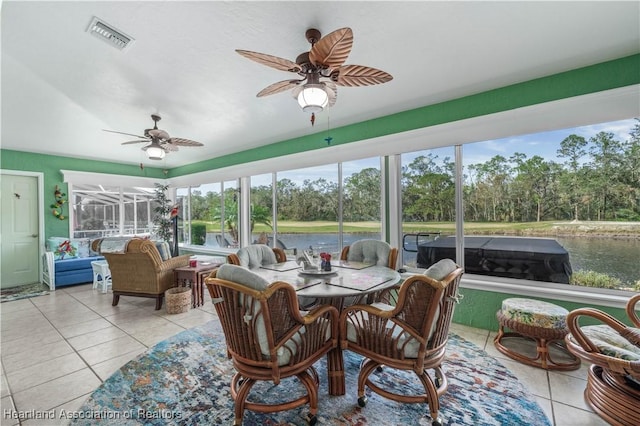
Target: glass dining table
[[347, 283]]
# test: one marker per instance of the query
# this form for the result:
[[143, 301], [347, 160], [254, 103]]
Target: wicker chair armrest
[[344, 253], [370, 310], [281, 256], [319, 312], [631, 310], [233, 259], [393, 258], [175, 262], [619, 327]]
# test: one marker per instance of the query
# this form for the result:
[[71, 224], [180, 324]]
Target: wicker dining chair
[[268, 338], [256, 255], [411, 336], [371, 251], [613, 349]]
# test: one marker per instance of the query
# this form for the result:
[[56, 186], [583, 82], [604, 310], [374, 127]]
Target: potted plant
[[162, 210]]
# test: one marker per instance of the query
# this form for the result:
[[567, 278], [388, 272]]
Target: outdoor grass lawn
[[519, 228]]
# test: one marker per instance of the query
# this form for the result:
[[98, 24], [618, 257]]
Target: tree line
[[591, 179]]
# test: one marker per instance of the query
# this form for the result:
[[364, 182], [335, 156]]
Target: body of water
[[619, 258]]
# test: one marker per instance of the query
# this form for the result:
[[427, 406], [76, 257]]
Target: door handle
[[34, 235]]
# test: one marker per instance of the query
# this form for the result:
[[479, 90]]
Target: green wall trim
[[591, 79], [478, 308]]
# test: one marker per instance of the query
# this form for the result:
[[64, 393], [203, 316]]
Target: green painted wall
[[478, 308], [50, 166]]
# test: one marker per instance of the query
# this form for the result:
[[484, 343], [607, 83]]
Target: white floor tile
[[566, 415], [105, 351], [43, 353], [57, 392], [57, 349], [45, 371]]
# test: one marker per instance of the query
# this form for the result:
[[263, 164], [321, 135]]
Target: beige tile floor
[[56, 349]]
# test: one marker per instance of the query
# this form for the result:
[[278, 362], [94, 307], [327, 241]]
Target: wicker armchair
[[256, 255], [371, 251], [412, 335], [268, 338], [140, 271], [613, 349]]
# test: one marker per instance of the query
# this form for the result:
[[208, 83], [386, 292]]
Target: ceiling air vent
[[106, 32]]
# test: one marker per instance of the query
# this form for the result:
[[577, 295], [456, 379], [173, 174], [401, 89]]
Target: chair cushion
[[611, 343], [370, 251], [256, 255], [439, 270], [535, 313], [68, 248], [240, 275], [164, 249]]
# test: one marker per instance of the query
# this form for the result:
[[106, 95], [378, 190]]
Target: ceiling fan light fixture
[[313, 98], [155, 153]]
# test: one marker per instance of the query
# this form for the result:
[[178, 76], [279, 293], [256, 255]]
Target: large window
[[103, 210], [307, 208], [428, 203], [261, 209], [212, 220], [578, 188], [361, 200]]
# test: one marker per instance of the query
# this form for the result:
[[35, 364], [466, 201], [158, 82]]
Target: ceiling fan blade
[[169, 147], [333, 49], [358, 75], [271, 61], [123, 133], [132, 142], [332, 92], [278, 87], [182, 142]]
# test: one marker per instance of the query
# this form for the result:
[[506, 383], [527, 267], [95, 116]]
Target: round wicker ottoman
[[542, 322]]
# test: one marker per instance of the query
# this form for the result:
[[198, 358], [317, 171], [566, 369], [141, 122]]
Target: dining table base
[[335, 372]]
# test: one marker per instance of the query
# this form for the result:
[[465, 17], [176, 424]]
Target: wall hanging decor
[[58, 205]]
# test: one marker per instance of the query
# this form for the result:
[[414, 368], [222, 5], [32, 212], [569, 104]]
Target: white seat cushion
[[256, 255], [370, 251]]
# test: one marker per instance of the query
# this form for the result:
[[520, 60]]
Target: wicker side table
[[193, 276], [542, 322]]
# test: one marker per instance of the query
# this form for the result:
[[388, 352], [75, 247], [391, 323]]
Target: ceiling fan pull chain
[[328, 139]]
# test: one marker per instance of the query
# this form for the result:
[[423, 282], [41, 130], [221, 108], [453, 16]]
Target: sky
[[544, 144]]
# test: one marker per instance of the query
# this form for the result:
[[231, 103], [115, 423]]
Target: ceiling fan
[[159, 140], [321, 69]]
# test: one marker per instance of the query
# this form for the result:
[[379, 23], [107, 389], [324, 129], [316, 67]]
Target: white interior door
[[19, 241]]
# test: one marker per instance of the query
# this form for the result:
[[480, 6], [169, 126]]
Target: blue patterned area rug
[[184, 380]]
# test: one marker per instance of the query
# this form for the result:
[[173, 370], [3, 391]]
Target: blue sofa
[[74, 271], [59, 271]]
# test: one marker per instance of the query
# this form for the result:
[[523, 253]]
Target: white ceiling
[[61, 86]]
